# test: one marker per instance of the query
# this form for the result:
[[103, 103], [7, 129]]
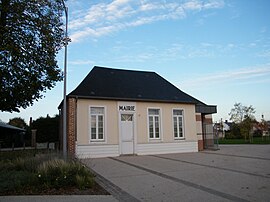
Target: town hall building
[[117, 112]]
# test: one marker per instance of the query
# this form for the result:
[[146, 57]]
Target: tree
[[31, 34], [240, 112], [17, 122], [234, 132], [47, 129], [246, 127], [19, 138], [243, 116]]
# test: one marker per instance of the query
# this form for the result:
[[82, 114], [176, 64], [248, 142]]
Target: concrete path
[[234, 173]]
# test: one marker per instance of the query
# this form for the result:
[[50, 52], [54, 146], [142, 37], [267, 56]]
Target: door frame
[[120, 112]]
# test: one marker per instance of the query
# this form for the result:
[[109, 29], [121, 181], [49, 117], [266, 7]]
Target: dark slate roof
[[129, 85], [5, 125]]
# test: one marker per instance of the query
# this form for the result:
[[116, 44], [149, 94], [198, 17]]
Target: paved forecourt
[[234, 173]]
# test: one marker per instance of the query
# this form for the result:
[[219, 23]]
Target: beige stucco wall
[[111, 120], [112, 126], [166, 121]]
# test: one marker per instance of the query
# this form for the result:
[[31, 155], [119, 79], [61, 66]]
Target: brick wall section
[[200, 145], [198, 117], [71, 127], [199, 131], [200, 120], [208, 119]]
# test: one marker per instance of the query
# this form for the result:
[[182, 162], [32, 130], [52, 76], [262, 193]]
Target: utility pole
[[64, 112]]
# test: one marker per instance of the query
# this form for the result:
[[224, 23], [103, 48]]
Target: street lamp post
[[65, 87]]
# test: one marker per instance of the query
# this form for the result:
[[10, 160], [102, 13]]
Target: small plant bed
[[44, 173], [256, 140]]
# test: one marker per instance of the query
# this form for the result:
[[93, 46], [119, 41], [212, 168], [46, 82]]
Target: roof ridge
[[119, 69]]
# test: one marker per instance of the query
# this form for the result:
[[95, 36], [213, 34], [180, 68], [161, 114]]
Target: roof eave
[[130, 99], [206, 109]]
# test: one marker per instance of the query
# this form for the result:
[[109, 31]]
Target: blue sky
[[215, 50]]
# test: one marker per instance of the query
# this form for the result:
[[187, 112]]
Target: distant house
[[223, 127], [116, 112], [227, 125], [262, 128], [11, 136]]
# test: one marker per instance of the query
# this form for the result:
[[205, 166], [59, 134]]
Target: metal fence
[[210, 137]]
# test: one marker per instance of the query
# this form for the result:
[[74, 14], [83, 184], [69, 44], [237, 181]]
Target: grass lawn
[[256, 140], [30, 172]]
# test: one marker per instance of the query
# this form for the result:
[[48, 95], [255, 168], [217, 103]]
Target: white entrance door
[[127, 137]]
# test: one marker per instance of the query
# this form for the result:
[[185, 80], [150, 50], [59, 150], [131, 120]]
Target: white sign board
[[126, 107]]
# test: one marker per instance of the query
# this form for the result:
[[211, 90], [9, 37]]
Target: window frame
[[183, 124], [159, 124], [97, 140]]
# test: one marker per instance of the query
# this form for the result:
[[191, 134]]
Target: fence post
[[33, 140]]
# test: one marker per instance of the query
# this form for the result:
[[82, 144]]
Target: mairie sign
[[126, 108]]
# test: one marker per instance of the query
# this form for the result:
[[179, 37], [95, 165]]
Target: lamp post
[[65, 87]]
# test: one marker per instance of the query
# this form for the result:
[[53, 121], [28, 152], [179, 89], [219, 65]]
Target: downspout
[[203, 131], [76, 100]]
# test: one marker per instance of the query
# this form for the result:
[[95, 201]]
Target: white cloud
[[193, 5], [172, 52], [81, 62], [105, 18], [150, 6], [213, 4], [101, 31], [82, 34], [264, 54], [244, 76], [197, 5]]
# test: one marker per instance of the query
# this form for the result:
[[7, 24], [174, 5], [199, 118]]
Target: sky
[[217, 51]]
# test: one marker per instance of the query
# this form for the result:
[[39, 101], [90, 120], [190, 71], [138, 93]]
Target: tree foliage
[[31, 34], [47, 129], [18, 122], [246, 127], [240, 112], [243, 117], [234, 132], [19, 139]]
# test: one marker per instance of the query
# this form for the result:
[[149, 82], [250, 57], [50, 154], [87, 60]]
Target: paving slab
[[252, 165], [208, 176], [248, 150], [146, 186]]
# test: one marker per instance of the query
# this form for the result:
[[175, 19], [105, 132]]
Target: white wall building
[[122, 112]]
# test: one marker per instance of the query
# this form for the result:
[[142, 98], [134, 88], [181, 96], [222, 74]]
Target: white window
[[154, 123], [97, 123], [126, 117], [178, 124]]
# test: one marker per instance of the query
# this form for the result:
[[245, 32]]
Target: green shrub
[[37, 171], [16, 180], [234, 133], [256, 140], [58, 173], [11, 155], [29, 164], [84, 178], [84, 182]]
